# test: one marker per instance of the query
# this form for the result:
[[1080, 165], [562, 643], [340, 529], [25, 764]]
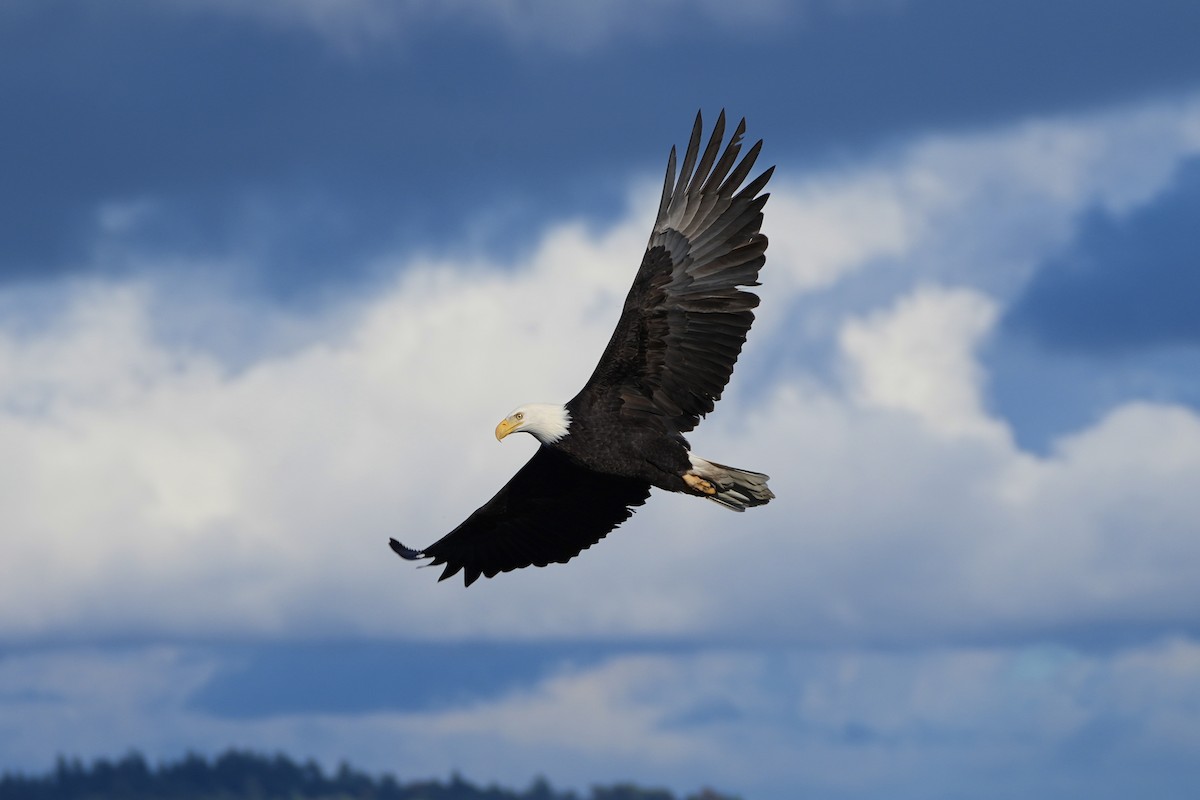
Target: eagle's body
[[681, 329]]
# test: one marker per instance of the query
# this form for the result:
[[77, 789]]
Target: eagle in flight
[[683, 325]]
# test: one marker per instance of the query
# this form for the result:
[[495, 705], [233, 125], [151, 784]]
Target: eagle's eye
[[518, 416]]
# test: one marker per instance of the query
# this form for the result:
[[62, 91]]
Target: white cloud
[[837, 224], [920, 357], [152, 487]]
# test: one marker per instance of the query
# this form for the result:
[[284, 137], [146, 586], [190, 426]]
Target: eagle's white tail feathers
[[738, 489]]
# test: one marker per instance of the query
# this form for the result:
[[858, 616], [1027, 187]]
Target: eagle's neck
[[546, 421]]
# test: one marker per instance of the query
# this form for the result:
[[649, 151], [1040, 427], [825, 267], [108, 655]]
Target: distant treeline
[[238, 775]]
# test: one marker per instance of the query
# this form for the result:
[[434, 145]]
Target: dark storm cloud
[[266, 142]]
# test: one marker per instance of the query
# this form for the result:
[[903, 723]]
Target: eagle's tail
[[738, 489]]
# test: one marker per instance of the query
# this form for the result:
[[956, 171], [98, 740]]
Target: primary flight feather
[[683, 325]]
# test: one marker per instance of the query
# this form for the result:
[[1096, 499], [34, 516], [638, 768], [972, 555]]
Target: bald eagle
[[682, 327]]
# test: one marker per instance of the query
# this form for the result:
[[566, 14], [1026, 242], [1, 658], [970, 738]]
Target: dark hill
[[238, 775]]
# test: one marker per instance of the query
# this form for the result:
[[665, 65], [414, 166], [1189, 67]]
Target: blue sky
[[270, 274]]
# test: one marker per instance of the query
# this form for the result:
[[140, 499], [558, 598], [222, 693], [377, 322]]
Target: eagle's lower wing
[[685, 318], [550, 511]]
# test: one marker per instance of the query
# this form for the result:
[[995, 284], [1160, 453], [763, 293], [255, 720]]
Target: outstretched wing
[[549, 512], [685, 318]]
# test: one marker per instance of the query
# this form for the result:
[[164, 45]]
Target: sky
[[270, 274]]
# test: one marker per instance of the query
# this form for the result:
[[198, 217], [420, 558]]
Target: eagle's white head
[[547, 421]]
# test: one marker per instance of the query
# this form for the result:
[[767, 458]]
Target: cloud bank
[[989, 721], [152, 486]]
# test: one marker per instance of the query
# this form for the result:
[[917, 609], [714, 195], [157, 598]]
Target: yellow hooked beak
[[505, 427]]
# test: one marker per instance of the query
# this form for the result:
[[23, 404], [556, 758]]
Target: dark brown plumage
[[671, 355], [550, 511]]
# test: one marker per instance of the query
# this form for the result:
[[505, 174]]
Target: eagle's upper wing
[[685, 319], [550, 511]]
